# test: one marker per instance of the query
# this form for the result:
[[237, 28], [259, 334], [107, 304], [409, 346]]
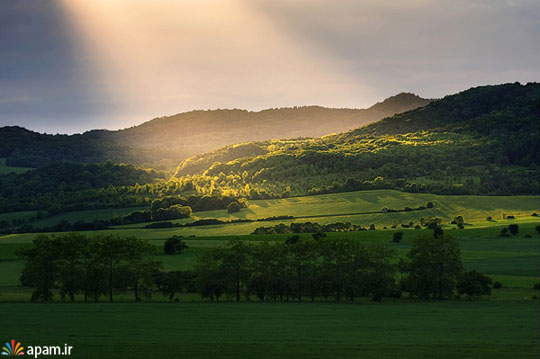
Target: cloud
[[102, 63]]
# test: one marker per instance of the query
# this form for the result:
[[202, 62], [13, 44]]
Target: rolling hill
[[165, 141], [484, 140]]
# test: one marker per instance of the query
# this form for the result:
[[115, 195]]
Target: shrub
[[233, 207], [513, 228], [397, 237], [174, 245], [497, 285], [474, 284]]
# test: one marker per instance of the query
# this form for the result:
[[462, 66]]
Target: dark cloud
[[50, 80], [42, 85], [433, 47]]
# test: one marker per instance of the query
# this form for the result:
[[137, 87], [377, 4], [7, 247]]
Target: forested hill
[[484, 140], [165, 141]]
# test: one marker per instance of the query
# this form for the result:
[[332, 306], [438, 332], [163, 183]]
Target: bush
[[174, 245], [159, 225], [497, 285], [233, 207], [513, 229], [474, 284], [397, 237], [536, 286]]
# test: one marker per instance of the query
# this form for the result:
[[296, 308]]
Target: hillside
[[484, 140], [165, 141]]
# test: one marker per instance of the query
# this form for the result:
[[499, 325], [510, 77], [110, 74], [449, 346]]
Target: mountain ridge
[[163, 142]]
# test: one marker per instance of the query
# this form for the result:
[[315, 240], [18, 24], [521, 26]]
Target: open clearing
[[448, 329]]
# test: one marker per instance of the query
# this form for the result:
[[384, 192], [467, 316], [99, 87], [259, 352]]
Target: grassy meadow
[[447, 329], [503, 325], [5, 169]]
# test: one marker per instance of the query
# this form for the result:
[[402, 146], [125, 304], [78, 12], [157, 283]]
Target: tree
[[41, 267], [433, 267], [174, 282], [140, 265], [211, 280], [513, 229], [174, 245], [474, 284], [235, 266], [397, 236], [72, 250], [233, 207], [111, 251]]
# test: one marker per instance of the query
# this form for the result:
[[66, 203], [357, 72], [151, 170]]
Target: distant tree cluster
[[316, 268], [309, 227], [75, 264], [297, 269]]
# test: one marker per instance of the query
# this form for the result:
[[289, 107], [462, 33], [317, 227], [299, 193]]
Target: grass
[[515, 261], [5, 169], [339, 206], [505, 325], [448, 329], [87, 216]]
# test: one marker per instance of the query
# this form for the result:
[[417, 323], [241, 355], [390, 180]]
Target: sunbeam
[[164, 56]]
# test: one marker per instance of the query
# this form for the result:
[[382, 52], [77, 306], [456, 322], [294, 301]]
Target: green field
[[5, 169], [515, 261], [451, 329], [504, 325]]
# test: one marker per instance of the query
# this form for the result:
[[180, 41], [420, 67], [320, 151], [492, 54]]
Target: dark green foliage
[[397, 237], [481, 141], [68, 187], [309, 227], [474, 284], [173, 212], [432, 268], [93, 267], [513, 229], [298, 268], [233, 207], [497, 285], [174, 245], [175, 282]]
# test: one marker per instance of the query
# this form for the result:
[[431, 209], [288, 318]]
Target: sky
[[68, 66]]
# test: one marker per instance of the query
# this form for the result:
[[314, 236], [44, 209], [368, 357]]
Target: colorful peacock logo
[[12, 349]]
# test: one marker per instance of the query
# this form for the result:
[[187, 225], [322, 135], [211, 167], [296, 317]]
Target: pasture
[[447, 329], [5, 169], [503, 325]]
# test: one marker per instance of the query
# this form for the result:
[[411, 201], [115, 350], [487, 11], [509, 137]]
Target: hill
[[165, 141], [484, 140]]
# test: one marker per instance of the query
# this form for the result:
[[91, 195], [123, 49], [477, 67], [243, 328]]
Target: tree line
[[295, 269]]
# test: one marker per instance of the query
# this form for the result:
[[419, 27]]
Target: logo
[[12, 349]]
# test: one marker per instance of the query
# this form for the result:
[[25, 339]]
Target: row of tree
[[294, 269]]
